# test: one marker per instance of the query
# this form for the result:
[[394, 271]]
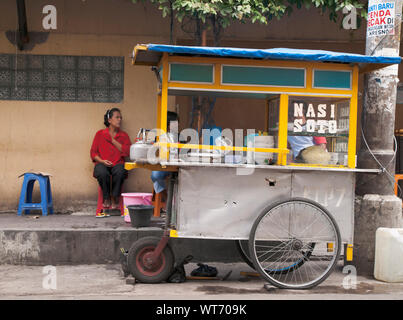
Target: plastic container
[[263, 142], [140, 215], [133, 199], [389, 254]]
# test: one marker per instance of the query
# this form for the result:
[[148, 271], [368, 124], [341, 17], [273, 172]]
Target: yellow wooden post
[[158, 112], [217, 75], [266, 118], [164, 104], [352, 135], [349, 252], [282, 129], [309, 76]]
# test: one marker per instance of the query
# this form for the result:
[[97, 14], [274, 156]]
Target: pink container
[[135, 198]]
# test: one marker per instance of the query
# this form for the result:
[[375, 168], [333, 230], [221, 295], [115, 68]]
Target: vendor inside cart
[[305, 148], [159, 177]]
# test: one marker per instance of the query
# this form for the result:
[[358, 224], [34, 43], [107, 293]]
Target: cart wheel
[[289, 244], [242, 246], [139, 261]]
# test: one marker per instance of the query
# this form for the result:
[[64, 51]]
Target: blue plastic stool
[[26, 204]]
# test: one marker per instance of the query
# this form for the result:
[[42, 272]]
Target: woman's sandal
[[101, 215]]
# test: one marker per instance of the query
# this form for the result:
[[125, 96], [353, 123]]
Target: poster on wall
[[381, 18]]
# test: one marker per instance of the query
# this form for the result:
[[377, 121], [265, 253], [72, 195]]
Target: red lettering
[[373, 14], [381, 13], [387, 13], [382, 21]]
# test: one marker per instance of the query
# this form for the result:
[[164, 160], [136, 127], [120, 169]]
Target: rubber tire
[[166, 254], [257, 264], [244, 257], [249, 261]]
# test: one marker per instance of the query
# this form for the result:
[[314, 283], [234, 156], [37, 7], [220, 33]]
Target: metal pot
[[139, 150]]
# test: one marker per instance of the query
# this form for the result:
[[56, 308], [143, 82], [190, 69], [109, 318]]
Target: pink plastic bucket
[[135, 198]]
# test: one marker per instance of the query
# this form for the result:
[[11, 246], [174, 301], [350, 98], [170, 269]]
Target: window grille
[[61, 78]]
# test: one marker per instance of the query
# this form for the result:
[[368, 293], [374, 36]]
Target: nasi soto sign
[[381, 18], [314, 121]]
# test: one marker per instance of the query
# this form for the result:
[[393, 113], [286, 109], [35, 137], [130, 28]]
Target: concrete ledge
[[372, 211], [66, 239]]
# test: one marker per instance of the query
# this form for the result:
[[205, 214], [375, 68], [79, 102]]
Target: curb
[[66, 246]]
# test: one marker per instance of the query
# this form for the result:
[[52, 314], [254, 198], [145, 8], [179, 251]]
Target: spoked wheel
[[143, 267], [243, 248], [295, 244]]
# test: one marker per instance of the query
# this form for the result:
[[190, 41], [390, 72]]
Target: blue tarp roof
[[274, 54]]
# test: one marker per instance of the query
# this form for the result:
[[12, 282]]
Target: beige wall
[[55, 137]]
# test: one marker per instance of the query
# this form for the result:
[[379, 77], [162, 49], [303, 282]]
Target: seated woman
[[109, 148]]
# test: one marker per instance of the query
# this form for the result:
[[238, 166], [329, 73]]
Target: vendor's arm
[[117, 144], [123, 144], [94, 153], [105, 162]]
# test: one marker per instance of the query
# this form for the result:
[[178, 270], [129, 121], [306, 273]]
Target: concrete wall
[[55, 137]]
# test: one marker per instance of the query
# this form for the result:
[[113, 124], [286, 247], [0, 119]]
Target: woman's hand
[[117, 144], [104, 162], [107, 163]]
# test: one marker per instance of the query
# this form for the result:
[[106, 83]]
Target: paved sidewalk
[[27, 244], [107, 282]]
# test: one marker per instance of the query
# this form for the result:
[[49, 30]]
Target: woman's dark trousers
[[104, 174]]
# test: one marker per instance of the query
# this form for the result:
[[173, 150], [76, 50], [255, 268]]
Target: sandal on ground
[[101, 215]]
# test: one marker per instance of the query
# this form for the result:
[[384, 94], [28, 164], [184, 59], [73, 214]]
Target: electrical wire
[[384, 168]]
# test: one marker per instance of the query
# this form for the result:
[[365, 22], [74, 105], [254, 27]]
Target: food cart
[[291, 219]]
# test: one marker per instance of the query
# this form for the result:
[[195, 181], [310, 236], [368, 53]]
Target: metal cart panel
[[220, 203], [334, 191]]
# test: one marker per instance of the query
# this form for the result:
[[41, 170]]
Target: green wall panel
[[332, 79], [191, 73], [265, 76]]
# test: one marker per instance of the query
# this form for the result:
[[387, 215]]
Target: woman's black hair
[[171, 116], [109, 114]]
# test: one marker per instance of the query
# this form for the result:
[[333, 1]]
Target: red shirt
[[102, 146]]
